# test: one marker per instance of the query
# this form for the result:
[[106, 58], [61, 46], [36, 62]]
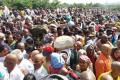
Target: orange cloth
[[102, 65]]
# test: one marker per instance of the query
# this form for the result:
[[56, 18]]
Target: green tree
[[64, 5], [54, 4], [1, 2], [81, 5], [97, 5], [88, 5]]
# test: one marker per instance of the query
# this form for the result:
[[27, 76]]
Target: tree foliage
[[97, 5], [18, 4]]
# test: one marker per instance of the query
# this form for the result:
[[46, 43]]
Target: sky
[[89, 1]]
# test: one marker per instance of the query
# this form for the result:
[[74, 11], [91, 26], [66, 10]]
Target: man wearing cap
[[86, 72], [57, 63], [47, 50]]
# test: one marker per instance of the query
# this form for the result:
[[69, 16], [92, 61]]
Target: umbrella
[[64, 42]]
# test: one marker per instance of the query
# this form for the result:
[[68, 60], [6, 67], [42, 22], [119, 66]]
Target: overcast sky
[[89, 1]]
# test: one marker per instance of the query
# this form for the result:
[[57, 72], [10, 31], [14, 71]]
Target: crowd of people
[[28, 50]]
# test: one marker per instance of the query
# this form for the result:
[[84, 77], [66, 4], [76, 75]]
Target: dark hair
[[1, 47], [29, 77], [66, 31], [64, 52], [29, 49], [29, 41], [119, 37], [37, 44], [89, 47], [113, 52]]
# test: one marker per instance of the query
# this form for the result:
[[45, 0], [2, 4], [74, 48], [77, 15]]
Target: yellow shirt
[[118, 78], [107, 73]]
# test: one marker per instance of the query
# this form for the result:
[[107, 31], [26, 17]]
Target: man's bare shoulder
[[106, 76]]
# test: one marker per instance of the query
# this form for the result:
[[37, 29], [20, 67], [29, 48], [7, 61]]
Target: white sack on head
[[64, 42]]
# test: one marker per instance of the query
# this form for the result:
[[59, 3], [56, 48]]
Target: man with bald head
[[103, 40], [14, 72], [23, 64], [32, 55], [103, 62], [112, 75], [21, 46], [40, 71], [87, 75]]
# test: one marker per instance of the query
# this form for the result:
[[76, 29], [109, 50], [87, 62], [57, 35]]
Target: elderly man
[[21, 46], [112, 75], [14, 72], [103, 62], [87, 75], [32, 55], [24, 65], [40, 71]]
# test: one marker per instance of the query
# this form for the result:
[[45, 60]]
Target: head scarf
[[85, 58], [47, 50], [57, 61]]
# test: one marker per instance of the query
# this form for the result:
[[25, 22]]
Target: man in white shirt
[[21, 46], [3, 74], [32, 55], [13, 72], [40, 70], [23, 64]]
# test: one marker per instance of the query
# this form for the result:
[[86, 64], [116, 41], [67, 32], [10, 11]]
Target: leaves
[[19, 4]]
